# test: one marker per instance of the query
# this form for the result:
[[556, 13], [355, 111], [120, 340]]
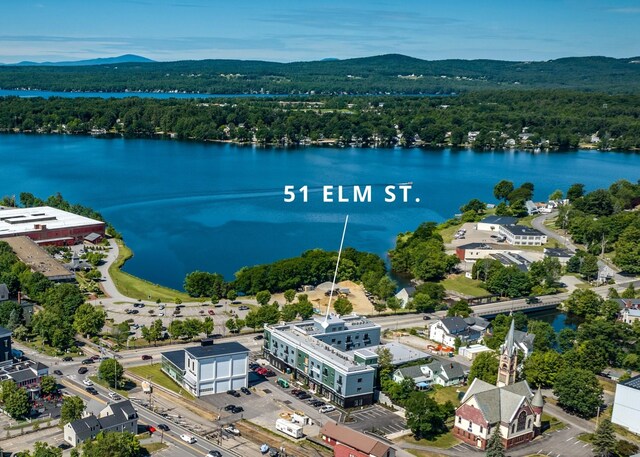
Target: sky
[[294, 30]]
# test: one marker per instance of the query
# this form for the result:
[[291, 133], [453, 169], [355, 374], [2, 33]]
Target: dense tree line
[[551, 118], [603, 220], [421, 254], [383, 74], [312, 267]]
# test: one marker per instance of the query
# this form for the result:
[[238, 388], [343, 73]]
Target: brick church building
[[510, 405]]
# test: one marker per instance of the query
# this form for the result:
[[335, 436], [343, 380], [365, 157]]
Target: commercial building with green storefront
[[330, 354]]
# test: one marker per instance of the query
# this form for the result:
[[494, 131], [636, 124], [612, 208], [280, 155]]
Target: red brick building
[[347, 442], [48, 226]]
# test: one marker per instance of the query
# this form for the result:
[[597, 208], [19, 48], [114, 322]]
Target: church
[[510, 405]]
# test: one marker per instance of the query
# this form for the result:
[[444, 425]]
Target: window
[[513, 428], [359, 379], [529, 425], [481, 429], [459, 419], [522, 420]]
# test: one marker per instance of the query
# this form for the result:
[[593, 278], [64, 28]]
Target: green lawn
[[553, 423], [447, 233], [445, 394], [154, 447], [444, 441], [137, 288], [464, 285], [103, 383], [37, 344], [155, 375]]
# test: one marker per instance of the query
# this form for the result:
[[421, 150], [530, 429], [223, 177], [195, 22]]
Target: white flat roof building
[[626, 405], [47, 225]]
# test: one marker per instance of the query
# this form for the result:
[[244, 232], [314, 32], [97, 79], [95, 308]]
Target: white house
[[626, 405], [493, 223], [209, 368], [405, 295], [444, 373], [469, 330], [115, 417], [520, 235]]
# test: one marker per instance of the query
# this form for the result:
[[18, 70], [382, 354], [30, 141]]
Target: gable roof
[[454, 324], [498, 404], [85, 427], [123, 407], [355, 440], [411, 372], [524, 339]]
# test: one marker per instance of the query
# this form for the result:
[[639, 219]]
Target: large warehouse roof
[[18, 221]]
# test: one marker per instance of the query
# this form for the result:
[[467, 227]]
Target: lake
[[185, 206]]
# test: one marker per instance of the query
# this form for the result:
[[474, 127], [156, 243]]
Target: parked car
[[237, 410], [57, 372], [91, 390], [318, 403], [67, 358], [94, 357], [295, 391], [236, 302], [235, 393], [231, 429], [213, 453], [261, 371], [64, 446], [245, 391], [134, 311], [211, 312], [187, 438], [229, 407], [161, 307], [215, 336], [87, 361], [270, 373], [218, 305], [253, 366], [87, 382], [243, 308], [327, 408], [147, 357], [304, 396], [151, 429], [425, 317], [82, 370], [163, 427], [258, 337]]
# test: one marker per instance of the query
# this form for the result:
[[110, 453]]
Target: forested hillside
[[395, 74], [490, 119]]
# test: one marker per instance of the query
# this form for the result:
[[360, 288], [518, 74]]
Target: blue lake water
[[184, 206]]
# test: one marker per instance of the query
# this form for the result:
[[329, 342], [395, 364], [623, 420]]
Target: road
[[146, 417], [538, 223]]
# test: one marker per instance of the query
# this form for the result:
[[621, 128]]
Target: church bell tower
[[508, 360]]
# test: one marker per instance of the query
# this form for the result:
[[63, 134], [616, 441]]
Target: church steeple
[[508, 359]]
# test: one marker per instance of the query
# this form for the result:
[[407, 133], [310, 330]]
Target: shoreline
[[332, 143]]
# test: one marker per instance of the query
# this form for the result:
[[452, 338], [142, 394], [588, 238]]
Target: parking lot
[[374, 419]]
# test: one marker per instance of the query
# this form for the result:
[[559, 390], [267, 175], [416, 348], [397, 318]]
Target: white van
[[327, 408]]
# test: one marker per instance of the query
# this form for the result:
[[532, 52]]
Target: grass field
[[445, 394], [154, 447], [155, 375], [444, 441], [464, 285], [122, 393], [137, 288]]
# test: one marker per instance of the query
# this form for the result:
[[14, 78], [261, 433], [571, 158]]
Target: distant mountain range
[[385, 74], [126, 58]]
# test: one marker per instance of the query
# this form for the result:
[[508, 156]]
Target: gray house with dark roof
[[114, 417], [209, 368], [441, 372]]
